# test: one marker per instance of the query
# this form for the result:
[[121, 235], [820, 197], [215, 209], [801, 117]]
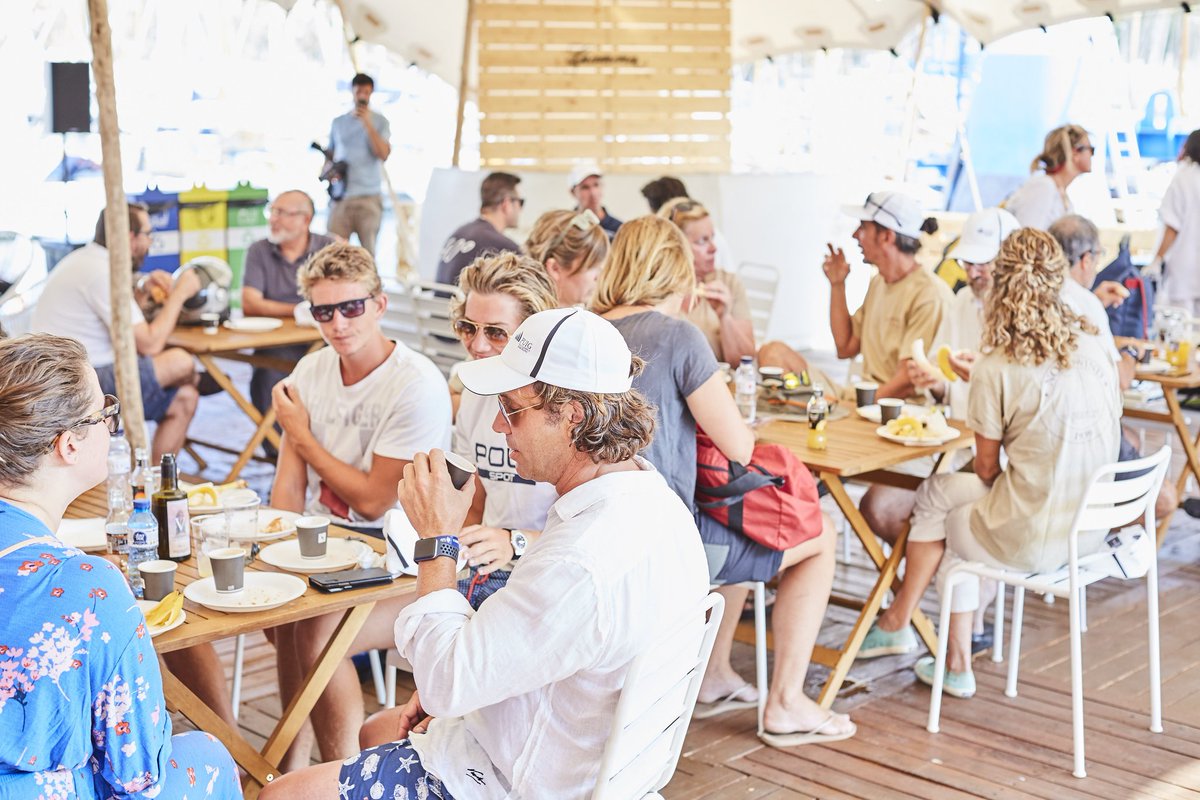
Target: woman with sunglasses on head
[[721, 309], [82, 712], [572, 246], [1042, 199], [642, 288]]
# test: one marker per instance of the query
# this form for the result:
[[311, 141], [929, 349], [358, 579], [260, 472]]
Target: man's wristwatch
[[436, 547], [519, 542]]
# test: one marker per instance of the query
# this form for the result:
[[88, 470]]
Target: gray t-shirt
[[478, 237], [351, 144], [268, 271], [678, 361]]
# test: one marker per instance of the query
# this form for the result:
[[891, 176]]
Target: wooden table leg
[[182, 699], [265, 424], [1191, 464], [887, 567], [331, 657]]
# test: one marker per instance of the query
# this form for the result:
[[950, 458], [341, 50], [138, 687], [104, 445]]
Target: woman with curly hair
[[1045, 390], [1066, 154]]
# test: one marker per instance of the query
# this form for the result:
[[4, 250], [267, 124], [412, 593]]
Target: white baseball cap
[[982, 234], [581, 172], [894, 211], [566, 347]]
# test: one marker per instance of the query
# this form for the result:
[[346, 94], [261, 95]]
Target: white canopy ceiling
[[432, 37]]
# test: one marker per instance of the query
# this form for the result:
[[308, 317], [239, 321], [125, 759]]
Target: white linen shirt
[[1038, 203], [523, 690], [961, 328]]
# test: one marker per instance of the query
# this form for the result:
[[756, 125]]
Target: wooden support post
[[116, 228], [464, 79]]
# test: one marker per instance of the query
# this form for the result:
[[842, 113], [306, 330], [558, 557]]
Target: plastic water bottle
[[745, 387], [116, 526], [143, 544], [119, 467], [142, 479]]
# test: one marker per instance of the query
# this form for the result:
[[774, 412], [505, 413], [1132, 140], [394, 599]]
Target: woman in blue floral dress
[[82, 713]]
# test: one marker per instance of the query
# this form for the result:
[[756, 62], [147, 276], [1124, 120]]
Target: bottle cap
[[141, 504]]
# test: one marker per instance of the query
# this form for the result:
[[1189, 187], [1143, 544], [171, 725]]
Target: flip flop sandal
[[813, 736], [734, 701]]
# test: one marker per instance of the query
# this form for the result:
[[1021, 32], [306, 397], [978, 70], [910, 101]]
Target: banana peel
[[166, 612]]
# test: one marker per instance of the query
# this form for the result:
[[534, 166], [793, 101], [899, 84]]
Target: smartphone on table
[[350, 579]]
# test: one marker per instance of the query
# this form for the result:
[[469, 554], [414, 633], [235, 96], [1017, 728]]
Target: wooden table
[[1171, 383], [240, 346], [204, 626], [855, 451]]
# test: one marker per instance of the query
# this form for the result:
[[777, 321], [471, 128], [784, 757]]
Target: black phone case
[[349, 579]]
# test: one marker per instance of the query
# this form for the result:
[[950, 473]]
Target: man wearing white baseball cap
[[904, 301], [585, 182], [522, 692], [961, 330]]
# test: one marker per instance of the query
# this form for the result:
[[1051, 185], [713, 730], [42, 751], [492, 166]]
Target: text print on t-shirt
[[496, 464], [456, 246]]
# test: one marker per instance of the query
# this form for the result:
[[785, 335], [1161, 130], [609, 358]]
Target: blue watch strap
[[436, 547]]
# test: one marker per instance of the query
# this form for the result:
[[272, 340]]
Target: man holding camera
[[359, 138]]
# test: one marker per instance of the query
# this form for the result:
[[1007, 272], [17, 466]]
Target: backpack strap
[[27, 542]]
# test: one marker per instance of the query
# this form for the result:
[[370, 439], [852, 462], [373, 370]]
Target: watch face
[[518, 542]]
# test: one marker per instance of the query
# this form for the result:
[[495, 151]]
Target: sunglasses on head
[[466, 329], [349, 308], [1091, 149]]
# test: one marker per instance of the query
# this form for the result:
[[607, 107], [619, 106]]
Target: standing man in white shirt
[[360, 139], [353, 415], [517, 699], [77, 303]]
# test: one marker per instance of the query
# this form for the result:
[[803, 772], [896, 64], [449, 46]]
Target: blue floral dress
[[82, 713]]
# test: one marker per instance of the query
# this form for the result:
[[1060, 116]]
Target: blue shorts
[[1128, 453], [478, 588], [733, 558], [388, 771], [155, 399]]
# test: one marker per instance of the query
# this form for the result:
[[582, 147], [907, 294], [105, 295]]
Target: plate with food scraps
[[339, 554], [1155, 366], [254, 324], [263, 591], [205, 498], [149, 605], [931, 429], [871, 412], [272, 524]]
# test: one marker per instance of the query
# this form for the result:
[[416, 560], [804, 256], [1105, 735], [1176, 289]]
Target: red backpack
[[772, 500]]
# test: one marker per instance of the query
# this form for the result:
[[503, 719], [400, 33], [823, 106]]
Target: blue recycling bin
[[164, 223]]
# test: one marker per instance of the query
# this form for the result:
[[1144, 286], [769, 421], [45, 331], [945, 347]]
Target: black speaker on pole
[[70, 97]]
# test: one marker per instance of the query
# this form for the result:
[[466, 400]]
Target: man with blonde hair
[[518, 699], [353, 415]]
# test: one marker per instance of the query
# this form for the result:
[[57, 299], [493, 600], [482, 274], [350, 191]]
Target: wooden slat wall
[[636, 85]]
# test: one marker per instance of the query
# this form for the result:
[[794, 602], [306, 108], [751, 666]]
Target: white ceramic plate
[[340, 554], [918, 441], [871, 412], [264, 590], [265, 517], [147, 606], [1155, 366], [254, 324]]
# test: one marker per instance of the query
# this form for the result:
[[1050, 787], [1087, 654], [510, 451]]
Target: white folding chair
[[399, 322], [655, 707], [1106, 505], [431, 305], [761, 282]]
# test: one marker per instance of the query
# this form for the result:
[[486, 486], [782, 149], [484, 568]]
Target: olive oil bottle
[[170, 507]]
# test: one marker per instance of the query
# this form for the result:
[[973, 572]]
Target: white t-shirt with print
[[77, 303], [400, 409], [512, 501]]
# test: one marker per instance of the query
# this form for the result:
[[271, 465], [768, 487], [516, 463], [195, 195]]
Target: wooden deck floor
[[989, 746]]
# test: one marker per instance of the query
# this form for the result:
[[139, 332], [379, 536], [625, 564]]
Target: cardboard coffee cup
[[459, 468], [313, 535], [229, 569], [889, 409], [158, 577], [864, 393]]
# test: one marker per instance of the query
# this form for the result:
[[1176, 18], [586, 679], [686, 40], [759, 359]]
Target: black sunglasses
[[109, 415], [349, 308], [466, 329]]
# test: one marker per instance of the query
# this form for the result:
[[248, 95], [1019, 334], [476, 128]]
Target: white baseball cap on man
[[894, 211], [982, 234], [570, 348], [581, 172]]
